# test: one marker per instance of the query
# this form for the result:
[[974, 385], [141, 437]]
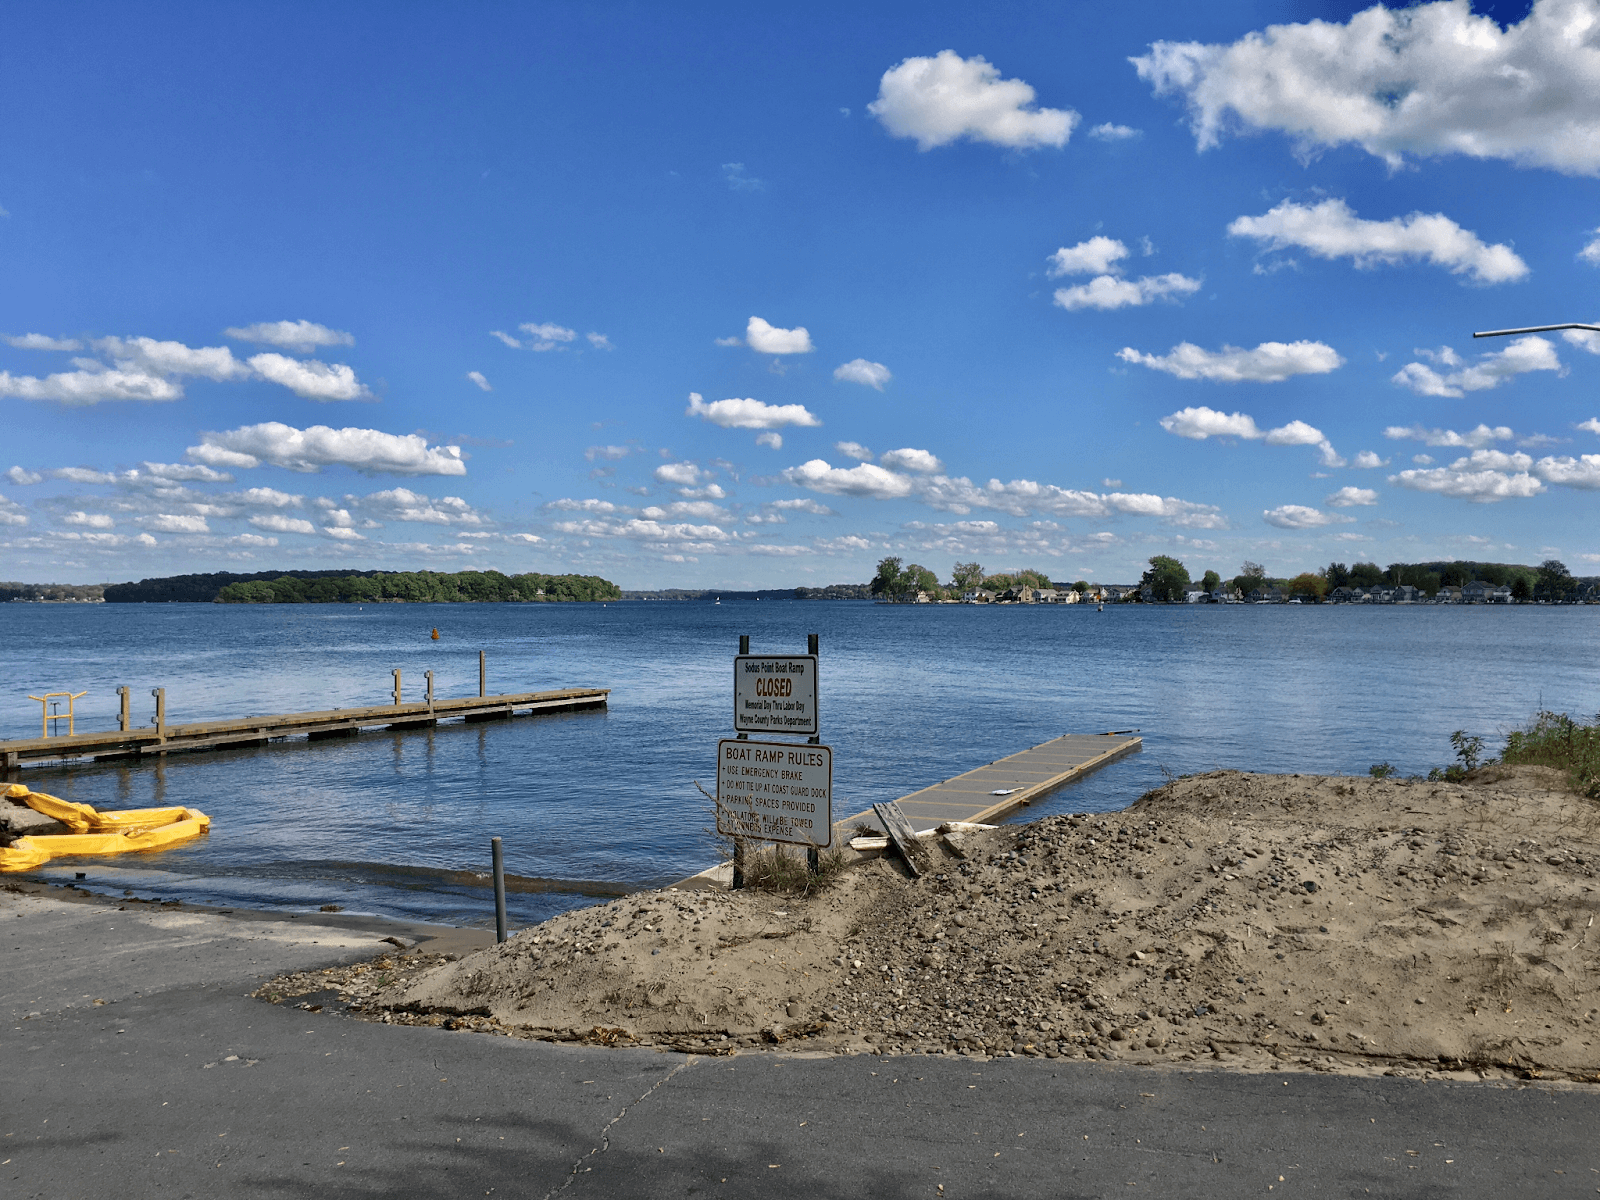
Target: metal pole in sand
[[499, 857]]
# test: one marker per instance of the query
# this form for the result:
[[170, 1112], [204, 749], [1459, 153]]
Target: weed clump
[[1556, 740]]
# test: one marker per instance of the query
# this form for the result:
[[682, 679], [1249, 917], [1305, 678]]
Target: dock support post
[[738, 865], [483, 676], [499, 859], [397, 687], [125, 717], [744, 643], [161, 711], [429, 675]]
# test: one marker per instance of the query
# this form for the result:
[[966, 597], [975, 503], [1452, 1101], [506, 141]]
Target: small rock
[[793, 1011]]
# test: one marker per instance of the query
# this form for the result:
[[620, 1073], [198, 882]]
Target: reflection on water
[[910, 696]]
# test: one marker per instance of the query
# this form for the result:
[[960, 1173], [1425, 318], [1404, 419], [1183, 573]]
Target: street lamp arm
[[1536, 329]]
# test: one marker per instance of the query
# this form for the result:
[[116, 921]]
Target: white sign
[[775, 792], [775, 694]]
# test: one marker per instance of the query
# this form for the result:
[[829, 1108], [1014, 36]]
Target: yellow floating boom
[[95, 832]]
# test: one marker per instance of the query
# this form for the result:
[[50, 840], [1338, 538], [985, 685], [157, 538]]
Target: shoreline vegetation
[[1167, 581]]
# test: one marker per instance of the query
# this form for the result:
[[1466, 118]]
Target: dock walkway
[[993, 792], [258, 730]]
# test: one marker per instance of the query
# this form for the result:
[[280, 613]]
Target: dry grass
[[1556, 740]]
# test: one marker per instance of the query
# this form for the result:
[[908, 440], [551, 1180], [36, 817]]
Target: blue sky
[[692, 295]]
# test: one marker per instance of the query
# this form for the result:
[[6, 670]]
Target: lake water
[[910, 695]]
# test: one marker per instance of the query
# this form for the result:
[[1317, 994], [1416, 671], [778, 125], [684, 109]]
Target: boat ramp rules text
[[775, 693], [775, 792]]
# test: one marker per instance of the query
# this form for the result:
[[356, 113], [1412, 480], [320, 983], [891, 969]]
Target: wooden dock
[[992, 792], [315, 726]]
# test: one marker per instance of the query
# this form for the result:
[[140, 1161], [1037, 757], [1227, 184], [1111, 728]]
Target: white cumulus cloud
[[1097, 256], [1524, 354], [84, 387], [21, 476], [41, 341], [853, 450], [1473, 439], [908, 459], [278, 523], [309, 378], [765, 338], [859, 370], [771, 440], [1580, 472], [300, 336], [749, 414], [177, 523], [866, 479], [1367, 461], [1298, 516], [1202, 422], [1480, 487], [90, 520], [941, 99], [1270, 362], [1349, 497], [370, 451], [477, 377], [1426, 79], [1109, 291], [1331, 230], [1108, 132], [684, 473]]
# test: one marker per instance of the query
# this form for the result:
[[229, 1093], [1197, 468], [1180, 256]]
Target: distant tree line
[[1168, 579], [203, 589], [421, 587], [51, 591], [899, 580]]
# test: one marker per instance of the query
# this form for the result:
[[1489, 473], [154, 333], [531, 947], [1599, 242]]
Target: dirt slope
[[1334, 923]]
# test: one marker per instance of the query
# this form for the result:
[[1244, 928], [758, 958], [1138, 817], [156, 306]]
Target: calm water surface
[[910, 696]]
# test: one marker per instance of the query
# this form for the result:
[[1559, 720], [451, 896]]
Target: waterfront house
[[1342, 595], [1481, 592]]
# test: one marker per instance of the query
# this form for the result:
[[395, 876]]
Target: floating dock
[[315, 726], [993, 792]]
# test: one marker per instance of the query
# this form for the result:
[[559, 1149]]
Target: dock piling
[[160, 694], [125, 716], [483, 675], [429, 676], [497, 855], [397, 687]]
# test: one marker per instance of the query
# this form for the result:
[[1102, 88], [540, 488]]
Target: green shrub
[[1382, 770], [1556, 740]]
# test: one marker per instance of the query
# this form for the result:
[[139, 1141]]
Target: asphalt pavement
[[181, 1085]]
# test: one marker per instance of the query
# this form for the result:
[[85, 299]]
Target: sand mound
[[1335, 923]]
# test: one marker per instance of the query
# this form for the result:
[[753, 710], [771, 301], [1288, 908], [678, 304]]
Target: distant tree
[[1251, 576], [1337, 575], [966, 576], [1081, 586], [1028, 577], [1453, 575], [1166, 578], [1521, 590], [887, 581], [1365, 574], [1308, 584], [916, 578], [1555, 581], [1211, 581]]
